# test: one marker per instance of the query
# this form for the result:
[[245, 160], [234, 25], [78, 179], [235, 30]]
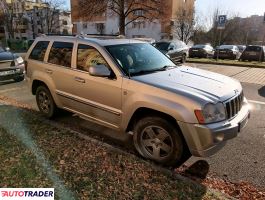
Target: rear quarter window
[[253, 48], [61, 54], [39, 51]]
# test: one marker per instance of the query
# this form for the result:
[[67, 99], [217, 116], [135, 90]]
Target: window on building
[[139, 12], [88, 56], [65, 22], [39, 51], [84, 25], [61, 54]]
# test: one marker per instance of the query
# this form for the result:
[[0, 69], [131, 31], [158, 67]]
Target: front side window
[[88, 56], [139, 58], [39, 51], [61, 54]]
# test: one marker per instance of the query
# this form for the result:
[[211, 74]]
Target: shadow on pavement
[[261, 91], [6, 82]]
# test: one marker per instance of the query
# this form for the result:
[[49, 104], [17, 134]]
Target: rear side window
[[39, 51], [61, 54], [253, 48]]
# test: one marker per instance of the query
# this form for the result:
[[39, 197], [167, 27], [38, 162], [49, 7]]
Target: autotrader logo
[[26, 193]]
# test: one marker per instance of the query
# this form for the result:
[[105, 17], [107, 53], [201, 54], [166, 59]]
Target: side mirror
[[171, 48], [7, 49], [99, 71]]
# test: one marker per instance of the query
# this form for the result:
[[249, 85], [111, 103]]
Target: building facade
[[108, 23], [34, 17]]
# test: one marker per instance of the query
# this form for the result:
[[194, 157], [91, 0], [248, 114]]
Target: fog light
[[219, 138]]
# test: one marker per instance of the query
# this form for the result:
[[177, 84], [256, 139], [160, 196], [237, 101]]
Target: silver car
[[172, 111]]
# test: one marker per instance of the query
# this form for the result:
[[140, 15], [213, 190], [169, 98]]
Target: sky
[[242, 8]]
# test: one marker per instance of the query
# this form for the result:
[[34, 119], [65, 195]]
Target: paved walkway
[[243, 74]]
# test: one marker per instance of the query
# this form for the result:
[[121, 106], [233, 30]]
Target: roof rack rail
[[100, 36]]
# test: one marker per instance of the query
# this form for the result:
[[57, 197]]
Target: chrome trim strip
[[87, 103]]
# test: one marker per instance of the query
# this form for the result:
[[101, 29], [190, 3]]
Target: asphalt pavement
[[242, 159]]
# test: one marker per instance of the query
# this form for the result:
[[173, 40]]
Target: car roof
[[102, 41]]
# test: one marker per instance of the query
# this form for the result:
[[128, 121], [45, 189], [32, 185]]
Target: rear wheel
[[157, 139], [45, 102]]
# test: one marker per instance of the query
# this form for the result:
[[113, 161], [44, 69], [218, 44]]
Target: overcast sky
[[242, 7]]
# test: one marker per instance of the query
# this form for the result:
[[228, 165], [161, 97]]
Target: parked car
[[241, 48], [227, 52], [201, 51], [177, 50], [11, 66], [253, 53], [130, 86]]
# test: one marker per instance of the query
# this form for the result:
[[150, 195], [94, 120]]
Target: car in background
[[148, 40], [201, 51], [241, 48], [11, 66], [177, 50], [253, 53], [227, 52]]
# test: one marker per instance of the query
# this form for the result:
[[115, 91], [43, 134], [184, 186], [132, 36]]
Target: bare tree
[[7, 17], [127, 10], [49, 16], [184, 23]]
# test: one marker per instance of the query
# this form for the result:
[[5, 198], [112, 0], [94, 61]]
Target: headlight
[[211, 113], [19, 61]]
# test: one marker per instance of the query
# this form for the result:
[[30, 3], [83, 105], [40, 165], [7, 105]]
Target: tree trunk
[[122, 24]]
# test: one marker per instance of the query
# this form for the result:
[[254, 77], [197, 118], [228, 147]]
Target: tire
[[184, 58], [19, 79], [45, 102], [158, 140]]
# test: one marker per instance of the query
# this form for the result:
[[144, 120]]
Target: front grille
[[234, 106]]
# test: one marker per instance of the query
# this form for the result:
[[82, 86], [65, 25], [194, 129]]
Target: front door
[[99, 99]]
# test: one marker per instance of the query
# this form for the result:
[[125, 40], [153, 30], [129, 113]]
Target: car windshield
[[137, 59], [226, 47], [200, 46], [162, 45]]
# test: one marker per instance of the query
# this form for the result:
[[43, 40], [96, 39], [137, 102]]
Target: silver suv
[[173, 111]]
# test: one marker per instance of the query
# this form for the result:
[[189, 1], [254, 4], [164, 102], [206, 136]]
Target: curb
[[227, 64]]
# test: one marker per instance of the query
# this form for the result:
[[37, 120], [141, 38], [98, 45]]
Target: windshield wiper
[[165, 68]]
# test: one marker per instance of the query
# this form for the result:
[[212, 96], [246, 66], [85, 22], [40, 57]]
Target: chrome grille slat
[[234, 106]]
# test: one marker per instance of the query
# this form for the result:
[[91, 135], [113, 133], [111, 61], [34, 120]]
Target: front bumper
[[11, 73], [206, 140]]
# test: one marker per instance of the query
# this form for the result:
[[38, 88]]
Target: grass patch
[[227, 62], [36, 154]]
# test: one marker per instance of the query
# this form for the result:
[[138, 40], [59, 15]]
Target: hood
[[193, 81], [6, 56], [6, 59]]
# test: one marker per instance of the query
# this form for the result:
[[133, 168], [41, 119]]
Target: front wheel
[[158, 140], [45, 102]]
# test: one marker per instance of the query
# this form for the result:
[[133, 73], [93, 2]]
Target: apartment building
[[35, 17], [108, 23]]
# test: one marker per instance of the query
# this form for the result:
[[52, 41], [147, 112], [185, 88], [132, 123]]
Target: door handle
[[48, 71], [81, 80]]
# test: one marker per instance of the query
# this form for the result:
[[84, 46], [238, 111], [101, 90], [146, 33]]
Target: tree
[[184, 23], [49, 17], [127, 10], [7, 17]]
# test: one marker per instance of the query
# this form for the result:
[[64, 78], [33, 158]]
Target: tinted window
[[39, 51], [162, 45], [61, 54], [88, 56], [226, 47], [200, 46], [253, 48]]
